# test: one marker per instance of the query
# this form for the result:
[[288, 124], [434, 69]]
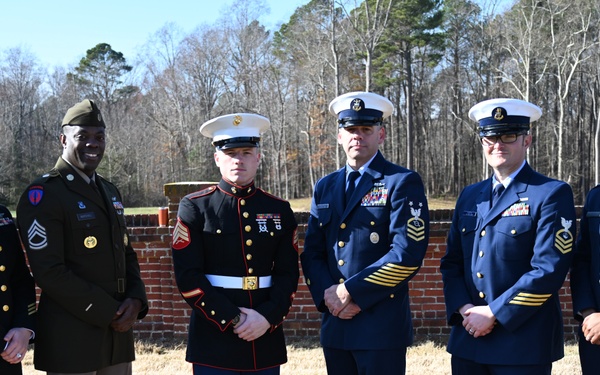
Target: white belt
[[245, 283]]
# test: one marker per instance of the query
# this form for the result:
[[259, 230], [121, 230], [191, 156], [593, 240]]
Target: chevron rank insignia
[[416, 225], [564, 239]]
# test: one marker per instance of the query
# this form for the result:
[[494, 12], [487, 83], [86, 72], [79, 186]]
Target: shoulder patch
[[35, 194]]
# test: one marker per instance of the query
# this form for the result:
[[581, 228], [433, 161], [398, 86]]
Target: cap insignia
[[99, 117], [498, 114], [357, 104], [237, 120]]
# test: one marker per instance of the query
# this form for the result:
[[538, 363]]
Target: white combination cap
[[360, 108], [235, 130], [504, 116]]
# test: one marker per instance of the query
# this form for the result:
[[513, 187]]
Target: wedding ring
[[471, 331], [19, 355]]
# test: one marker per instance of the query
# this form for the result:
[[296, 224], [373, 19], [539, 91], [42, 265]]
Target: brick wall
[[169, 314]]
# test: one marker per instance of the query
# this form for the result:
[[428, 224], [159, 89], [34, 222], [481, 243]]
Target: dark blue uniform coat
[[17, 289], [513, 257], [375, 246], [80, 255], [585, 276], [227, 230]]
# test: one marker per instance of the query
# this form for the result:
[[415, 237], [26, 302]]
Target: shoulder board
[[272, 196], [45, 177], [201, 193]]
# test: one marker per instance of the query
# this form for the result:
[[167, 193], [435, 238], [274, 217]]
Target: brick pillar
[[174, 191]]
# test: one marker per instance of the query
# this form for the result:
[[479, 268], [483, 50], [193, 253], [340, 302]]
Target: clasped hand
[[339, 302], [126, 315]]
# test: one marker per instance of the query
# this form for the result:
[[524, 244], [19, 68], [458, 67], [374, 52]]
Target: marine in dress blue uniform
[[505, 262], [359, 255], [585, 284], [235, 256], [17, 297], [81, 257]]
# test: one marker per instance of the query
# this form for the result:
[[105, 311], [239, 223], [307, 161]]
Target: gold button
[[248, 242], [481, 295], [320, 224], [3, 288], [247, 228], [203, 304], [1, 248], [372, 223], [223, 322], [341, 281], [464, 230], [483, 233], [243, 202], [481, 254], [514, 231], [249, 256], [341, 262], [250, 270], [341, 244], [272, 234], [343, 226], [480, 275], [5, 308], [246, 215], [218, 231], [2, 268], [392, 295], [212, 312], [307, 281]]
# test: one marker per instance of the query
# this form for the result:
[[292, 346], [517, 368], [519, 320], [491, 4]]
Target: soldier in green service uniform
[[72, 225]]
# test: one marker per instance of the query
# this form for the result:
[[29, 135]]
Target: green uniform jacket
[[81, 258]]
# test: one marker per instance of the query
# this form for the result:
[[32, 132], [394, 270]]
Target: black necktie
[[351, 184], [95, 187], [498, 189]]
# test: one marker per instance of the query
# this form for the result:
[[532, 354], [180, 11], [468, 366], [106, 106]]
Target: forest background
[[433, 59]]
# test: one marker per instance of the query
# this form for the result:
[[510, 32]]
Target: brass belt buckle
[[250, 283]]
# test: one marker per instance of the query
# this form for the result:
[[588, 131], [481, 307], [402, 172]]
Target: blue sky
[[58, 32]]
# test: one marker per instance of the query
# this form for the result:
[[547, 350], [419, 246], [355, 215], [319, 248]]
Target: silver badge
[[374, 237], [70, 177]]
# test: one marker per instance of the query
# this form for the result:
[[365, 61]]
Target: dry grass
[[167, 358]]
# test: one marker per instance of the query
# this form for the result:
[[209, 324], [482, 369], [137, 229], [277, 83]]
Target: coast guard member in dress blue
[[361, 251], [506, 259], [585, 285], [235, 255]]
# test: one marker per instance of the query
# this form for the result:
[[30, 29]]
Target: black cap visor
[[225, 144]]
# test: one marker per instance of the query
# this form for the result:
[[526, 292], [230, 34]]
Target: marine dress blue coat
[[513, 257], [375, 246]]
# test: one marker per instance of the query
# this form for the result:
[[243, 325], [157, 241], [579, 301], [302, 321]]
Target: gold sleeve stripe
[[191, 293], [529, 299], [390, 275], [31, 309]]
